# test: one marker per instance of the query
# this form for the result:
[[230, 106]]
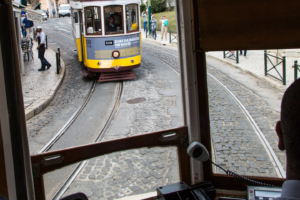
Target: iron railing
[[174, 37], [230, 55], [296, 69], [281, 77]]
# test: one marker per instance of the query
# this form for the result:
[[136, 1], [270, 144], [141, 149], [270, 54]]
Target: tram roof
[[77, 4]]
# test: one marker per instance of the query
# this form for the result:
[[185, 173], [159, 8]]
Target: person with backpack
[[153, 26], [22, 25], [164, 28], [27, 26], [53, 12]]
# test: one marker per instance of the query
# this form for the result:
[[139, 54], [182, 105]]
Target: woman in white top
[[164, 28]]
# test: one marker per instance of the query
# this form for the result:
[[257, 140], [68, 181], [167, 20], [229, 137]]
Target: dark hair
[[290, 122]]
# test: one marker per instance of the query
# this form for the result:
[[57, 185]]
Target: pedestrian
[[53, 12], [288, 131], [231, 53], [22, 25], [245, 52], [27, 26], [153, 26], [47, 12], [41, 37], [164, 28], [145, 20]]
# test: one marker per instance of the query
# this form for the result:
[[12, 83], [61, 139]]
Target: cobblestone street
[[140, 170]]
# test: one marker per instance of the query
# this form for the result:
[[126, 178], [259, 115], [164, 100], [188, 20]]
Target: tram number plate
[[110, 42]]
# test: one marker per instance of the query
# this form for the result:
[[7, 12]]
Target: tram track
[[63, 188], [269, 150]]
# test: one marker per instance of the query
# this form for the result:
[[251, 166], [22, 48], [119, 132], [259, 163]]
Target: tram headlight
[[132, 61], [116, 54], [99, 63]]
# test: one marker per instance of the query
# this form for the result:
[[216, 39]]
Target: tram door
[[80, 34]]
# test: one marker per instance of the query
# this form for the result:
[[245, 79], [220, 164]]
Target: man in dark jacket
[[27, 26]]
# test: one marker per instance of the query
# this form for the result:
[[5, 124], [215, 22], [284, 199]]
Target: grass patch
[[171, 16]]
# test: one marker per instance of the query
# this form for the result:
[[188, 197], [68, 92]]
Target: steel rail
[[100, 136], [70, 121], [274, 159]]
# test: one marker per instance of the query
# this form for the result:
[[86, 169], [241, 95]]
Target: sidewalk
[[38, 87], [253, 63]]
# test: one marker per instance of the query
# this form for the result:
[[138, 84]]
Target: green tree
[[158, 5], [143, 7]]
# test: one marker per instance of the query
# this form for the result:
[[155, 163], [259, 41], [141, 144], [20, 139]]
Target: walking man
[[40, 35], [164, 28], [47, 12], [53, 12]]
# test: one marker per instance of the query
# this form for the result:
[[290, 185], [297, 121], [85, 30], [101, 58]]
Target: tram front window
[[93, 20], [113, 19], [132, 18]]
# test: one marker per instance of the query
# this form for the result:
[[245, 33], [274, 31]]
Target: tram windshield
[[113, 19], [132, 18], [93, 20]]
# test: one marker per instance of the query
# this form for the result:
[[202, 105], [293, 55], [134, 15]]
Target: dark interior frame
[[199, 9], [81, 153]]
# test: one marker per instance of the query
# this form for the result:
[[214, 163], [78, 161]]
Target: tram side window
[[93, 20], [132, 18], [113, 19]]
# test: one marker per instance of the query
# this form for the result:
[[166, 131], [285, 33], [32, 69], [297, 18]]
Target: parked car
[[64, 10], [44, 16]]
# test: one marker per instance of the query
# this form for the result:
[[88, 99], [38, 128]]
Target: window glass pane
[[93, 20], [117, 175], [75, 17], [113, 19], [132, 18], [243, 112]]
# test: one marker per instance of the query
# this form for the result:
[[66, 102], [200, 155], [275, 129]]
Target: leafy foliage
[[157, 5], [143, 7]]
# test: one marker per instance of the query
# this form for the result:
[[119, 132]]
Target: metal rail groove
[[274, 159], [71, 120], [276, 163], [79, 166]]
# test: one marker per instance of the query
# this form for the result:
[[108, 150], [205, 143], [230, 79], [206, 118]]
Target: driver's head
[[288, 129], [111, 19], [38, 29]]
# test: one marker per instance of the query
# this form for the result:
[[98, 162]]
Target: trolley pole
[[149, 15]]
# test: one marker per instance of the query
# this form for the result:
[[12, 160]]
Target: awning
[[33, 15]]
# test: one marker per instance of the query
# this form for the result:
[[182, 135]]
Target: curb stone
[[40, 104]]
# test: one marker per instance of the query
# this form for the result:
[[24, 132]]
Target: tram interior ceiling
[[250, 25]]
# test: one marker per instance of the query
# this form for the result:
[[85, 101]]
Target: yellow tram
[[107, 36]]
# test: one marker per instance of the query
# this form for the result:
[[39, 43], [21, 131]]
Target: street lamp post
[[149, 15]]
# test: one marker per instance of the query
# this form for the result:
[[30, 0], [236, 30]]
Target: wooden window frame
[[114, 33], [138, 18], [219, 181], [89, 7]]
